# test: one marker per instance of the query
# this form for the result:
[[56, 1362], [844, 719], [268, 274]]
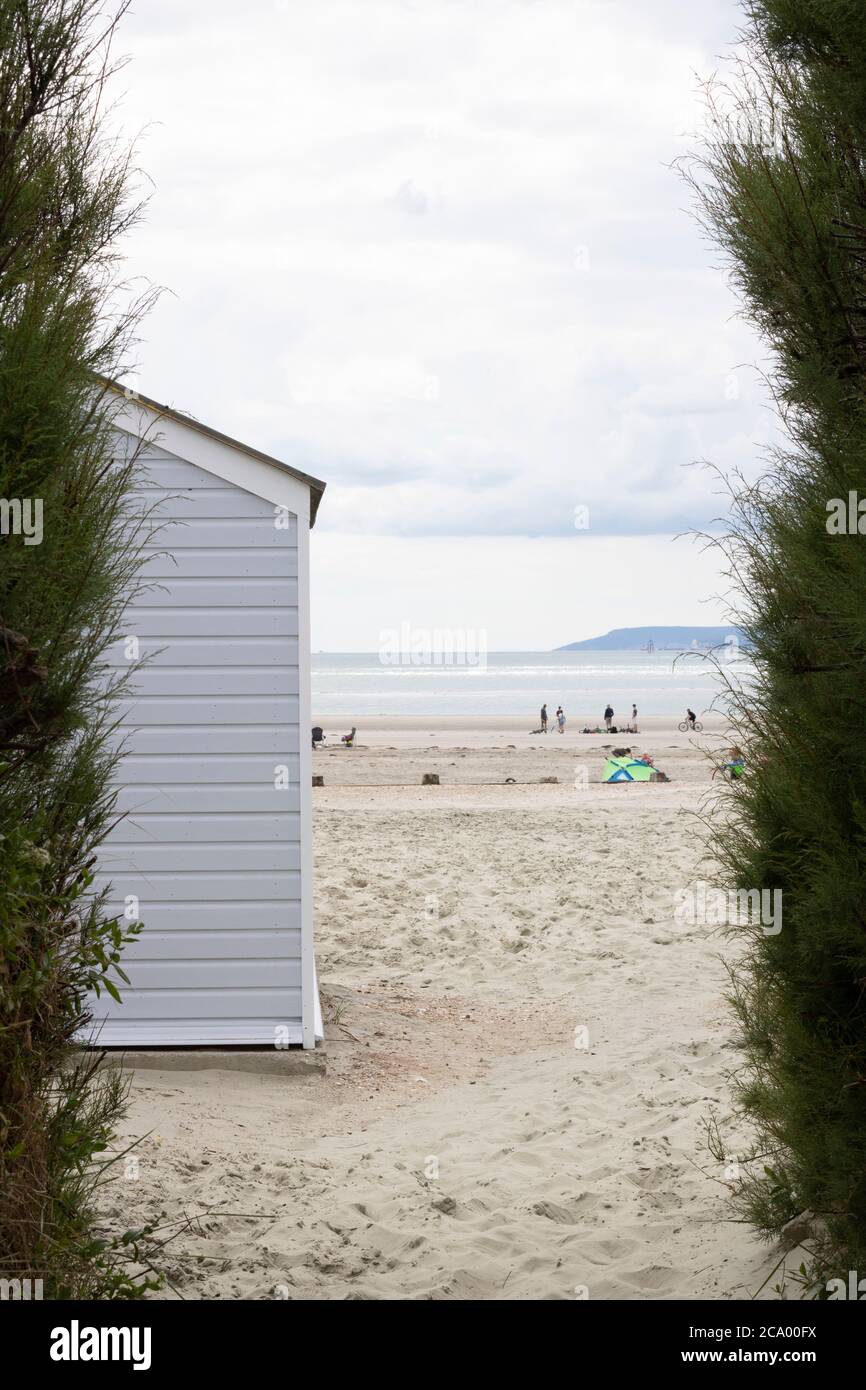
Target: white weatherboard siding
[[209, 846]]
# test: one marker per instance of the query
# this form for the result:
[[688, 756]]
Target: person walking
[[560, 719], [544, 719], [608, 717]]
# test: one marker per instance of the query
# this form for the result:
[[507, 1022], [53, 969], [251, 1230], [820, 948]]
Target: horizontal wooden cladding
[[218, 709], [223, 826], [123, 861], [161, 470], [224, 592], [216, 533], [148, 620], [253, 562], [182, 503], [167, 474], [126, 447], [139, 772], [226, 886], [241, 944], [218, 740], [218, 1003], [220, 680], [117, 1032], [166, 918], [230, 976], [206, 851], [206, 651], [185, 798]]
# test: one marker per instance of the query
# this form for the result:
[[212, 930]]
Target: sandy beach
[[522, 1044]]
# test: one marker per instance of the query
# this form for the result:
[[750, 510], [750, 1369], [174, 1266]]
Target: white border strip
[[309, 985]]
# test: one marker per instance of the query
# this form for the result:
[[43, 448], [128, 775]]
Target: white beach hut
[[214, 853]]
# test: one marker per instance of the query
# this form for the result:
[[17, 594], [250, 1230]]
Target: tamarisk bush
[[782, 189], [65, 201]]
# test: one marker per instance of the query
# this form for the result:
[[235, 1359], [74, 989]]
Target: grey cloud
[[435, 255]]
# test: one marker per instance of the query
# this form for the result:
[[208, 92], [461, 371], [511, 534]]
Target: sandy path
[[523, 1047]]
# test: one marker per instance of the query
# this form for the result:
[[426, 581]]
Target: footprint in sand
[[565, 1216]]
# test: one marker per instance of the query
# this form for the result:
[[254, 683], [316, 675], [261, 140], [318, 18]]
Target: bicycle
[[691, 725]]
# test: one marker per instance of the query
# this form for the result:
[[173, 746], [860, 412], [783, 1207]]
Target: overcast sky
[[432, 251]]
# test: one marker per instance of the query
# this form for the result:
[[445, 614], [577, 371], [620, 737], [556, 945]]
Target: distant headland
[[660, 639]]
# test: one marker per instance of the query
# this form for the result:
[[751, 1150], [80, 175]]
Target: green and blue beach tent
[[626, 770]]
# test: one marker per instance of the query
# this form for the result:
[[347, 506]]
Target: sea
[[361, 684]]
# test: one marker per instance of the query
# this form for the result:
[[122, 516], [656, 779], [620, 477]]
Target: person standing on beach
[[544, 719], [560, 719], [608, 716], [634, 714]]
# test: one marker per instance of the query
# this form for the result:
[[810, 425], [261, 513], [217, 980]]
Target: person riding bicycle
[[691, 717]]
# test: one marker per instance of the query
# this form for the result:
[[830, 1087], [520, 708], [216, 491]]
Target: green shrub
[[782, 190], [65, 200]]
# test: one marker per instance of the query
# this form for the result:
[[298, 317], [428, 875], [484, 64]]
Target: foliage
[[65, 200], [782, 189]]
